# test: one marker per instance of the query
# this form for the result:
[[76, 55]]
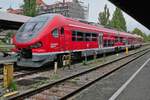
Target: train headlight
[[36, 45]]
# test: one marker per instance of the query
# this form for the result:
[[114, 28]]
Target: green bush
[[13, 86]]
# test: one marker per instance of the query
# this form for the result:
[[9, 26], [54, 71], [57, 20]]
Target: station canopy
[[138, 9], [12, 21]]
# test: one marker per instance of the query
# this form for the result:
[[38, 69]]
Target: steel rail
[[26, 73]]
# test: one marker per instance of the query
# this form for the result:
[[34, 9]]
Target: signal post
[[127, 51], [8, 70]]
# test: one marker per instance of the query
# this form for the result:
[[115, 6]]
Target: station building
[[69, 8]]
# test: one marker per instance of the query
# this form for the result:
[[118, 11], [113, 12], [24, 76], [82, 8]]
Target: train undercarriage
[[28, 59]]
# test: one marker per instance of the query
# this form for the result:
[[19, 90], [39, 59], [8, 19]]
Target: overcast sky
[[96, 6]]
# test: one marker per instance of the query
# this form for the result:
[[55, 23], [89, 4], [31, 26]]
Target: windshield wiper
[[34, 26]]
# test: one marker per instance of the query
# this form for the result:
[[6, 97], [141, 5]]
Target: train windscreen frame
[[32, 27]]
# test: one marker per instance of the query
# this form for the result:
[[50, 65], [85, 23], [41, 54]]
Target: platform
[[137, 89]]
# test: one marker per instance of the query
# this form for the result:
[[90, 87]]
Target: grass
[[55, 77], [39, 84], [74, 81]]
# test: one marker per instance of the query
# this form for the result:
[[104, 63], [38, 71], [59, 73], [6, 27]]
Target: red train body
[[47, 37]]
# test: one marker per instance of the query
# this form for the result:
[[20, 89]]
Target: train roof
[[87, 25], [76, 23], [44, 16]]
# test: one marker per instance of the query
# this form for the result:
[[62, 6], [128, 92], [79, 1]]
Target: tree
[[104, 16], [139, 32], [8, 37], [29, 7], [118, 20]]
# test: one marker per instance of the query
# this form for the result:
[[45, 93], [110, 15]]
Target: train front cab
[[35, 55]]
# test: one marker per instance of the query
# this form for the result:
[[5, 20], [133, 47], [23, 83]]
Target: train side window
[[55, 33], [112, 42], [117, 39], [80, 36], [109, 43], [121, 39], [94, 37], [74, 36], [88, 36]]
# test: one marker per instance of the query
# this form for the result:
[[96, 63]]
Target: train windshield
[[32, 28], [34, 25]]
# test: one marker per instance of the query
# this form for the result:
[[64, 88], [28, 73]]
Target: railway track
[[69, 86], [21, 72]]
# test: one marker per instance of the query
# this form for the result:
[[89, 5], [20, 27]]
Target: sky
[[95, 6]]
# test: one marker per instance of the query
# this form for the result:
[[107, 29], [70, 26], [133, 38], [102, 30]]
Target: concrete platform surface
[[138, 89]]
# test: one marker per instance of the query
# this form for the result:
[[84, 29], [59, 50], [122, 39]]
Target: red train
[[48, 37]]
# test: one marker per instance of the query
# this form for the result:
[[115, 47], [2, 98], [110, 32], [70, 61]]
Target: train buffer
[[8, 76]]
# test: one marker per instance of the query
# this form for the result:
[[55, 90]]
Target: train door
[[62, 39], [54, 41], [100, 40]]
